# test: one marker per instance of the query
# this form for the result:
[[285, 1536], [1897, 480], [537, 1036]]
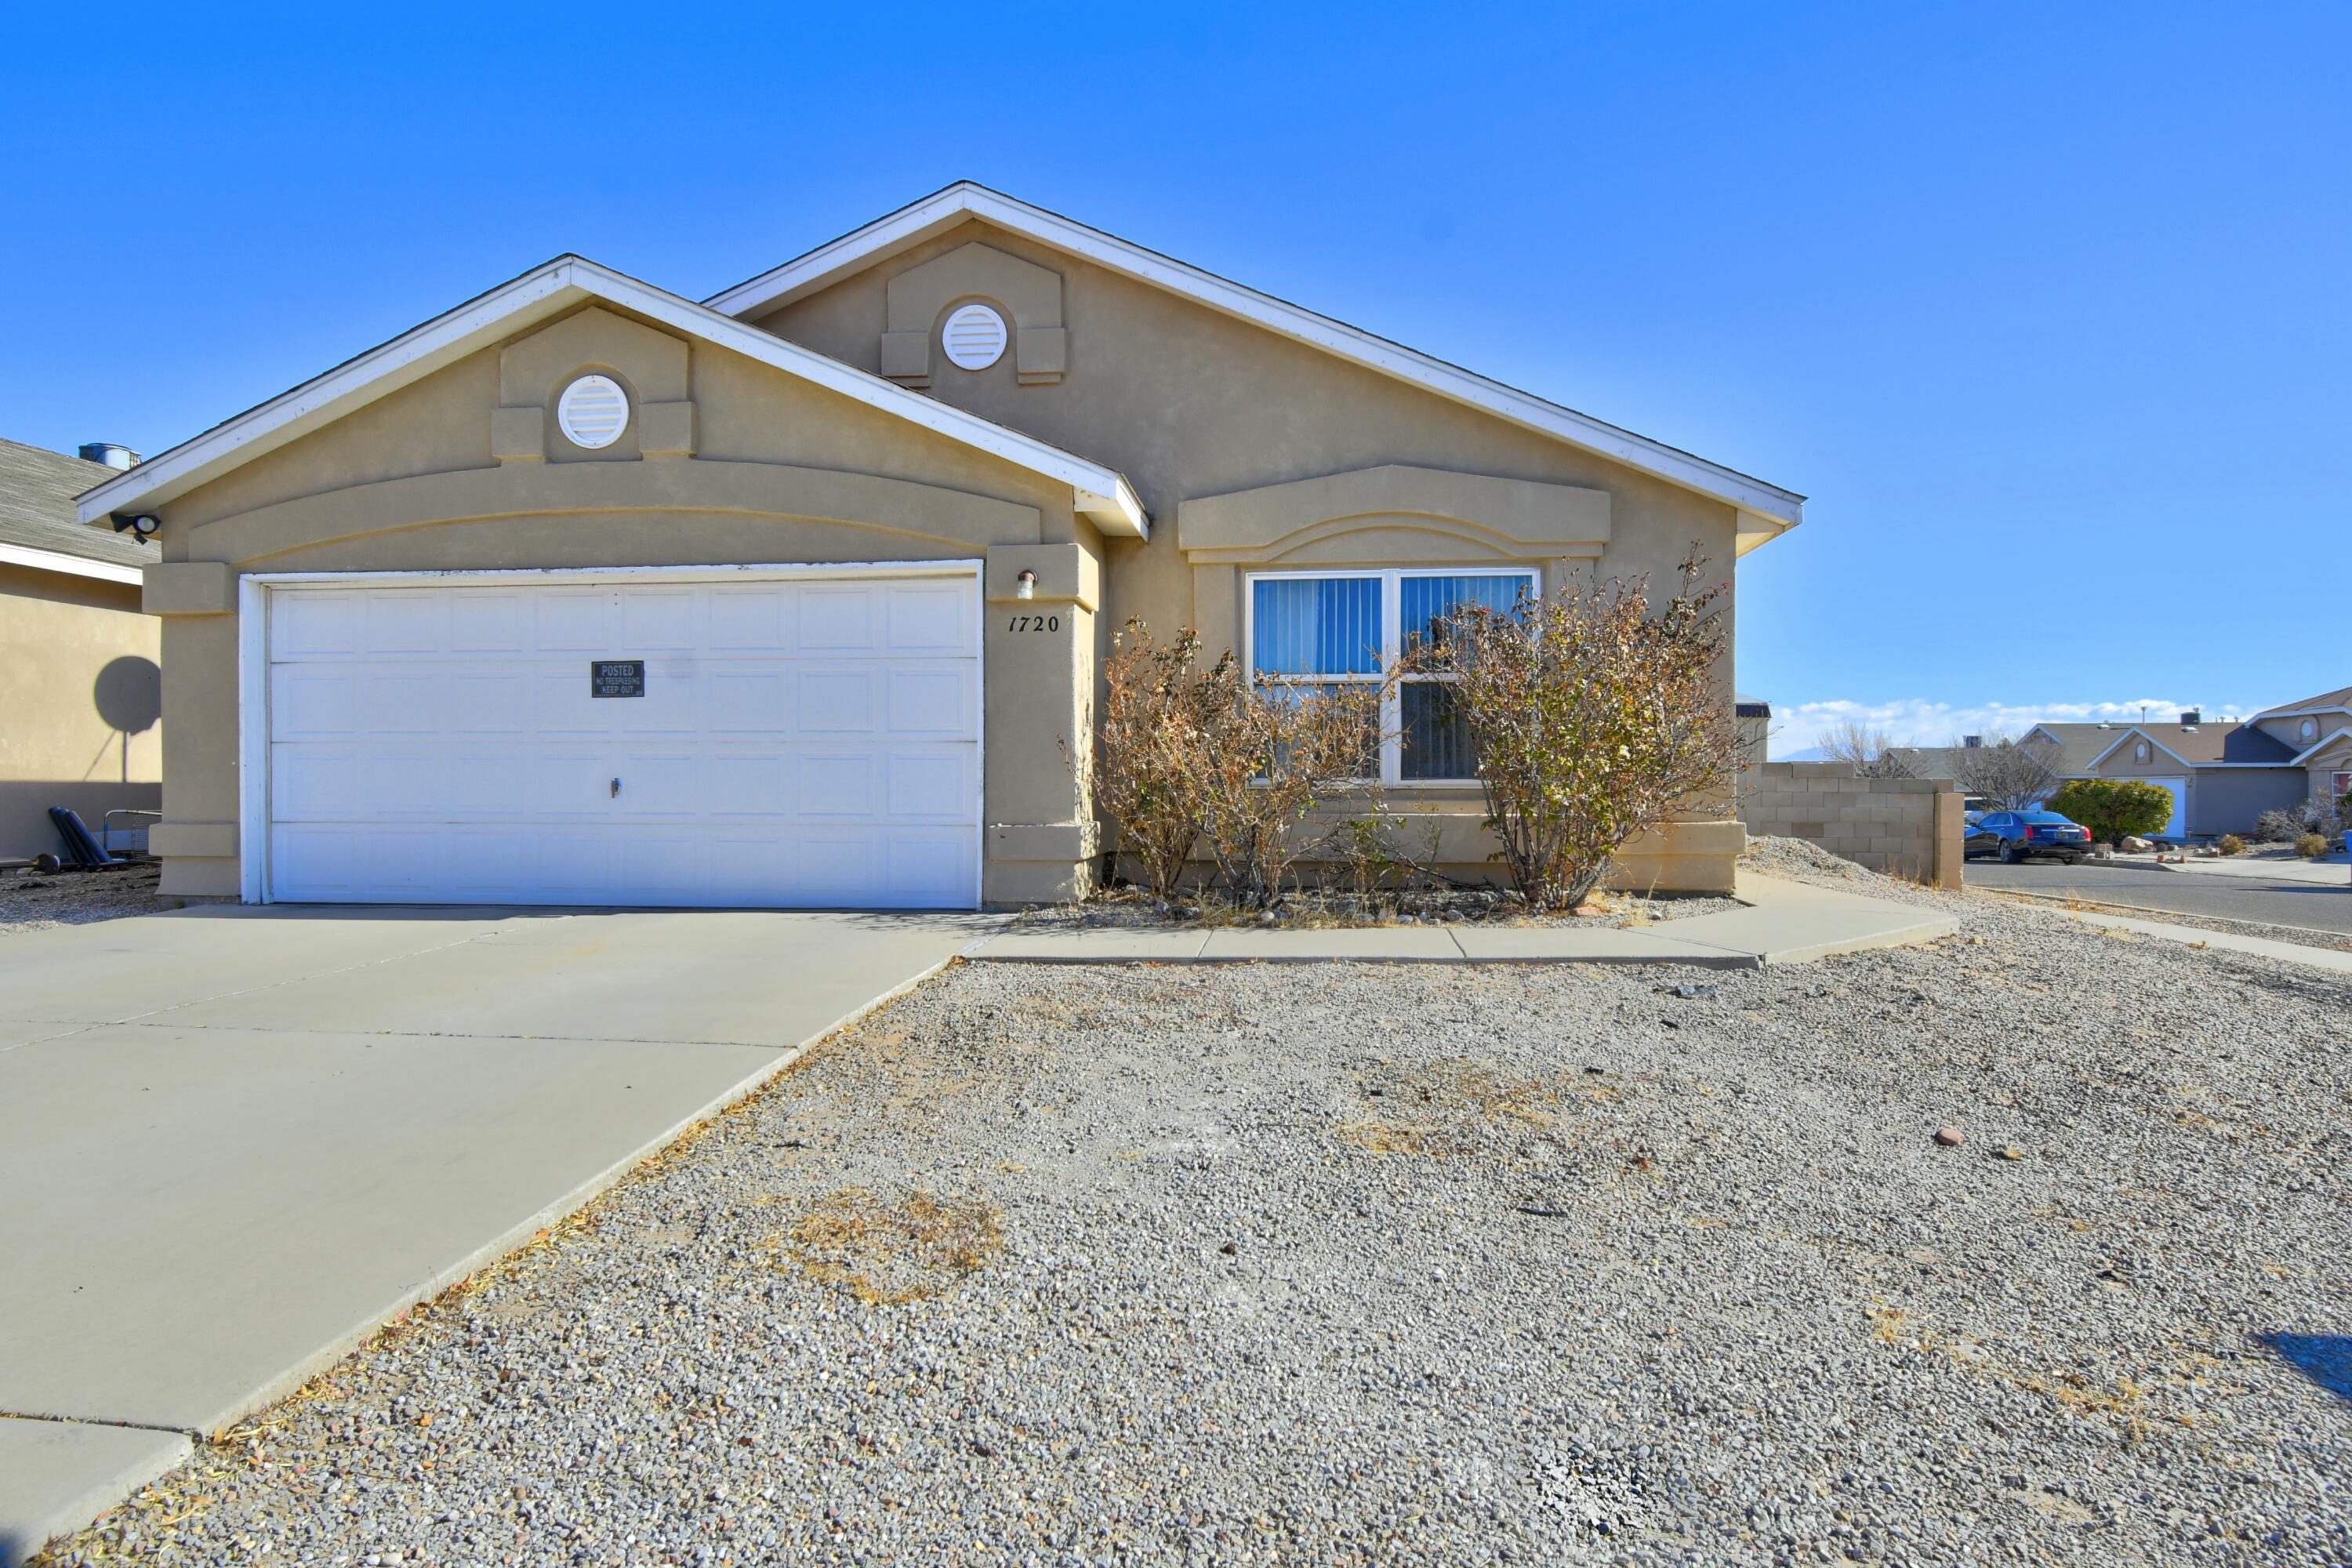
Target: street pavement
[[2286, 898]]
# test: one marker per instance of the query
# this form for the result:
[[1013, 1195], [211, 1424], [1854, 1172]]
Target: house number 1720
[[1035, 623]]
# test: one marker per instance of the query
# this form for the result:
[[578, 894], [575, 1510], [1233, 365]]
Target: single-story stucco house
[[78, 678], [2222, 773], [585, 593]]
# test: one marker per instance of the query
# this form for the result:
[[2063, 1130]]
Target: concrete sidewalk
[[1784, 923], [234, 1141], [2328, 958]]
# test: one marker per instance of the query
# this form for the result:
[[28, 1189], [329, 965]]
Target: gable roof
[[2229, 745], [550, 290], [1765, 510], [36, 518], [2337, 701]]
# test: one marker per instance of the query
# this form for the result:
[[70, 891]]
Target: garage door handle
[[616, 787]]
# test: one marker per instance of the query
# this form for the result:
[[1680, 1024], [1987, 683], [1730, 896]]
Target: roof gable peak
[[1765, 510]]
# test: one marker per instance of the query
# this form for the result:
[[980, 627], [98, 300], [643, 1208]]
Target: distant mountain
[[1809, 754]]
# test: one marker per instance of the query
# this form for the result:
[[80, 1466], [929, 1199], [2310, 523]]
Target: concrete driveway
[[233, 1141]]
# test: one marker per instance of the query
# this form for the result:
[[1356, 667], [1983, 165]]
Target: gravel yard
[[1347, 1263], [29, 902]]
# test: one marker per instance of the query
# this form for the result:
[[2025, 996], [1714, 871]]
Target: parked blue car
[[2016, 835]]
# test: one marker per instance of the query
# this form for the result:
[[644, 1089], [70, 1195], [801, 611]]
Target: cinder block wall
[[1906, 828]]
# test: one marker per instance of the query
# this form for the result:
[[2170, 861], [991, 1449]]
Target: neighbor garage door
[[2180, 788], [760, 740]]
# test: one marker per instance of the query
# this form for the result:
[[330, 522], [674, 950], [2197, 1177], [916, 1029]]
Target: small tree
[[1592, 717], [1158, 709], [1869, 752], [2114, 809], [2013, 775]]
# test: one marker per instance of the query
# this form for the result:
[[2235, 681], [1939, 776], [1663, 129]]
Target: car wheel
[[2009, 855]]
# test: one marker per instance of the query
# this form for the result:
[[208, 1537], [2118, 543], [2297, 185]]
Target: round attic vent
[[973, 337], [593, 412]]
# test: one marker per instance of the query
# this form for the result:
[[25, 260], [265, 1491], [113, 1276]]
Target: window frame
[[1391, 581]]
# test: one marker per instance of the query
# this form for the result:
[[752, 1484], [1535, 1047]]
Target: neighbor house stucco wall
[[1190, 403], [78, 703], [440, 476]]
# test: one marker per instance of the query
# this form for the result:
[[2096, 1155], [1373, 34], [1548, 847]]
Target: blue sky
[[2046, 309]]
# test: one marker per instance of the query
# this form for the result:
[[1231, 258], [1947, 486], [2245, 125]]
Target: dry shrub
[[1159, 708], [1281, 753], [1188, 754], [2231, 843], [2311, 846], [889, 1254], [1594, 716]]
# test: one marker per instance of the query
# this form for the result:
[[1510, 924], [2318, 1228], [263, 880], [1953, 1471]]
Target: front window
[[1326, 629]]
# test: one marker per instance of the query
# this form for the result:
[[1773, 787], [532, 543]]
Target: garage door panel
[[795, 743], [314, 624], [930, 698], [930, 618], [839, 701], [837, 617], [753, 701], [489, 703], [490, 620], [934, 784], [751, 619], [751, 784], [405, 620], [921, 870], [837, 784], [309, 701]]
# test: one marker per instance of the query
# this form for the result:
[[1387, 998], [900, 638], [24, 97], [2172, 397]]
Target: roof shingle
[[37, 488]]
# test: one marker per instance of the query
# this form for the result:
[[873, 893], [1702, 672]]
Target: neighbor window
[[2139, 752], [1326, 629], [2308, 729]]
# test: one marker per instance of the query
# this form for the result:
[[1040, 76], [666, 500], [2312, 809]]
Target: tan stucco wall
[[781, 472], [729, 460], [1906, 828], [77, 659], [1190, 403]]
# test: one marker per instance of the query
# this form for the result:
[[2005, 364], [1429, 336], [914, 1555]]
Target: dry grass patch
[[888, 1253], [1451, 1106]]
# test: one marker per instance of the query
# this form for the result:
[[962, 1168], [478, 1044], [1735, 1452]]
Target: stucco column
[[1037, 692], [197, 840]]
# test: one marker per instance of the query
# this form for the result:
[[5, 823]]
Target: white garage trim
[[253, 665]]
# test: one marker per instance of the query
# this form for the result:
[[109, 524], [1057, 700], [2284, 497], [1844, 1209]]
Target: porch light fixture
[[1024, 586]]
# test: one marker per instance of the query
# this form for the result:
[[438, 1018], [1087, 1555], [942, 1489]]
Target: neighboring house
[[584, 592], [2222, 775], [77, 677]]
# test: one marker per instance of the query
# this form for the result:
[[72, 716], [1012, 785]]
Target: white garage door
[[771, 742], [2180, 788]]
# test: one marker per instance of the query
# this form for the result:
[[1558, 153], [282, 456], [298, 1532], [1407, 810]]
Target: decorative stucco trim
[[678, 485], [1766, 510], [1102, 493], [75, 565], [1517, 517], [189, 588], [2333, 737], [916, 299]]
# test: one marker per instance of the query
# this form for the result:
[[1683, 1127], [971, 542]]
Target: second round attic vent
[[974, 337], [593, 412]]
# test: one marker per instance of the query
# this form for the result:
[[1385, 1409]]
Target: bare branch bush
[[1159, 713], [2013, 775], [1869, 752], [1594, 716], [1280, 753]]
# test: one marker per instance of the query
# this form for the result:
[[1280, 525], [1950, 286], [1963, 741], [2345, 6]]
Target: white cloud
[[1916, 721]]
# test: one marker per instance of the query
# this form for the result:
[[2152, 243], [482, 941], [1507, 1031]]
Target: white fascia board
[[2294, 713], [2314, 750], [1101, 493], [902, 230], [410, 357], [79, 565]]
